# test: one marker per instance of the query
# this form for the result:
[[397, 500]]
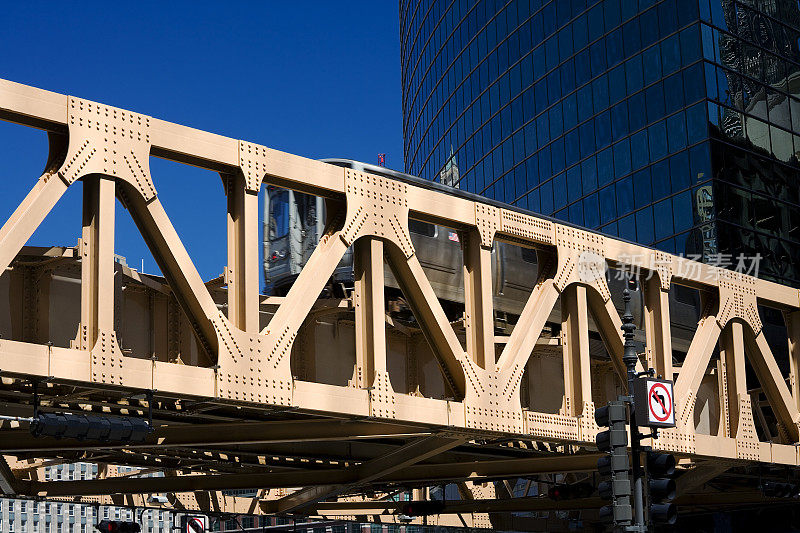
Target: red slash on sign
[[660, 402], [659, 396]]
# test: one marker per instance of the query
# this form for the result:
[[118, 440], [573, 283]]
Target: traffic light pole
[[630, 358]]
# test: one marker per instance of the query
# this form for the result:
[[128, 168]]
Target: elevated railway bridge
[[333, 407]]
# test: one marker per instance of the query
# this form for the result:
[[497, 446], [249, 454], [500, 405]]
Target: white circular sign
[[659, 400], [196, 525]]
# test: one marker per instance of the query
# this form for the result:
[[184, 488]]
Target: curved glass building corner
[[672, 123]]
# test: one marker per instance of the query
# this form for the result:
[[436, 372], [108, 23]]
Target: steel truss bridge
[[327, 406]]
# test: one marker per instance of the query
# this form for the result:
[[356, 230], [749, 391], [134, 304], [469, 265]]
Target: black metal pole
[[630, 358]]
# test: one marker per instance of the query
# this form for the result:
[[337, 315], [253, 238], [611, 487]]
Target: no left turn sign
[[660, 402], [657, 396], [195, 524]]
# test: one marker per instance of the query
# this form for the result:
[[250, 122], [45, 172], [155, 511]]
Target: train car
[[294, 223]]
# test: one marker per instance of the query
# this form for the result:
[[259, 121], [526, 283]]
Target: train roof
[[436, 186]]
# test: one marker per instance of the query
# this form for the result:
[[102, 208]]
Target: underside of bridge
[[349, 405]]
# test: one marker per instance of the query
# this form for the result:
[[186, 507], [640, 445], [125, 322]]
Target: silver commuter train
[[294, 223]]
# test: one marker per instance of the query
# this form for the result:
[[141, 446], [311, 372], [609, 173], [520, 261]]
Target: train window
[[771, 316], [279, 215], [306, 208], [687, 295], [529, 255], [421, 228]]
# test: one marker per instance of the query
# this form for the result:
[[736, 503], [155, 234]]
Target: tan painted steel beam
[[243, 268], [21, 441], [309, 284], [541, 503], [772, 382], [696, 360], [167, 248], [242, 367], [735, 379], [9, 484], [97, 259], [534, 315], [530, 503], [429, 313], [793, 332], [478, 300], [29, 214], [413, 474], [699, 475], [657, 327], [575, 332], [412, 453], [609, 323], [369, 310]]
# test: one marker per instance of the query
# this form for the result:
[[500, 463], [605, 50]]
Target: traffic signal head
[[661, 489], [612, 463], [610, 439], [614, 466], [619, 513], [90, 427], [612, 416], [663, 513], [117, 526], [660, 464], [608, 414], [558, 492], [614, 488]]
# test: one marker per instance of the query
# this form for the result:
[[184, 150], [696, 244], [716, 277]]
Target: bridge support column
[[575, 336], [370, 311], [657, 328], [97, 259], [242, 270], [793, 330], [732, 351], [478, 301]]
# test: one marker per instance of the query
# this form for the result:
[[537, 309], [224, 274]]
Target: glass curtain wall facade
[[752, 74], [672, 123]]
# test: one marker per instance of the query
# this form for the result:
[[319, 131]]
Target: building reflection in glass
[[758, 81], [673, 123]]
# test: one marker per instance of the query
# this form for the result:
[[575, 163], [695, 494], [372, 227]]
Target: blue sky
[[319, 79]]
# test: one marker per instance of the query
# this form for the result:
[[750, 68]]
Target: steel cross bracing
[[239, 360]]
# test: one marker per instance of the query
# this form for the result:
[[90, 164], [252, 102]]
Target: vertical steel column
[[370, 310], [478, 301], [242, 271], [723, 426], [732, 349], [97, 259], [793, 334], [575, 334], [657, 328]]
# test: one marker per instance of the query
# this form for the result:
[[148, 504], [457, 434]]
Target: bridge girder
[[237, 362]]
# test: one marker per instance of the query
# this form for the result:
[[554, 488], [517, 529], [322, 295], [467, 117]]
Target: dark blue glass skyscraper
[[673, 123]]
